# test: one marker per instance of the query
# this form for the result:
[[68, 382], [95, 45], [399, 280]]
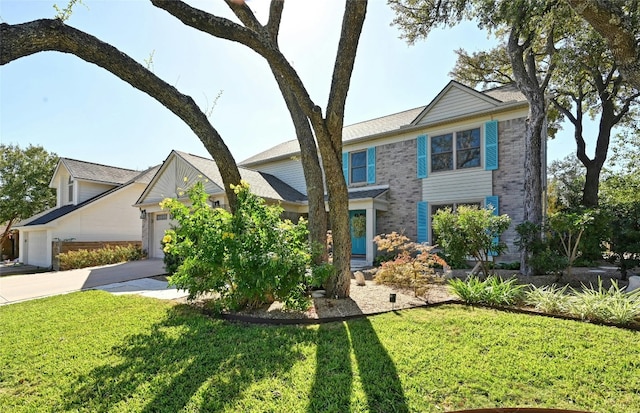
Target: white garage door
[[161, 223], [37, 249]]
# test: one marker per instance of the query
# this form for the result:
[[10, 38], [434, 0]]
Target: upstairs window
[[358, 167], [456, 150], [70, 190]]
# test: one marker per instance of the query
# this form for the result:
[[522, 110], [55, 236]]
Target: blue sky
[[81, 111]]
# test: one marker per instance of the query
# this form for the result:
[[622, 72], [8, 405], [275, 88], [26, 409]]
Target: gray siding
[[87, 190], [470, 184], [455, 102], [289, 171]]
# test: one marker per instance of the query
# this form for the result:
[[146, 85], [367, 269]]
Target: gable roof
[[50, 215], [94, 172], [487, 99], [261, 184], [457, 99]]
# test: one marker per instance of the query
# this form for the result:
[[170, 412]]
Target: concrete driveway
[[114, 278]]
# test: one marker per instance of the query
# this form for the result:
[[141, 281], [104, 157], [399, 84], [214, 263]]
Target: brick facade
[[396, 166], [508, 180]]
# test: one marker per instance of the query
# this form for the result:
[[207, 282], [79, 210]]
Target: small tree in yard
[[249, 258], [412, 266], [569, 227], [471, 232]]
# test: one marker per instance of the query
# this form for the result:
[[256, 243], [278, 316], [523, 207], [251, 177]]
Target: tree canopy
[[24, 183]]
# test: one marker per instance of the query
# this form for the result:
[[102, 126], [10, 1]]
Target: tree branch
[[25, 39], [608, 19], [275, 16], [226, 29], [352, 22]]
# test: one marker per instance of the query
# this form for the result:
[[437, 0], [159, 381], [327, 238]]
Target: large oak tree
[[53, 35]]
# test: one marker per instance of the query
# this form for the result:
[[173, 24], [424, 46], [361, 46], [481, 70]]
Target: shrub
[[492, 291], [249, 258], [412, 267], [543, 256], [471, 232], [103, 256]]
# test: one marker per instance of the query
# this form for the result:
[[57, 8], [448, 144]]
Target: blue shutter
[[371, 165], [423, 221], [491, 145], [345, 166], [493, 201], [422, 152]]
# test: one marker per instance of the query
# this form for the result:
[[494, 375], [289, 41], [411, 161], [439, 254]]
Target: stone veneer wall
[[508, 180], [396, 166]]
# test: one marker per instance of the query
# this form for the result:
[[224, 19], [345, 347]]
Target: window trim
[[70, 189], [454, 149], [363, 167]]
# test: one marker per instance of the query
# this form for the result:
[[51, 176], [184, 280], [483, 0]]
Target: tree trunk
[[339, 284], [526, 77], [25, 39], [608, 119], [7, 231], [312, 173]]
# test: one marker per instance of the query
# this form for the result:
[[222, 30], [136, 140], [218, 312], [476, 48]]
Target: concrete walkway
[[124, 278]]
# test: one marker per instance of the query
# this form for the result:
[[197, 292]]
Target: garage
[[161, 223], [36, 247]]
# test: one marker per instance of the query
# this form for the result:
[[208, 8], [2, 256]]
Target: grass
[[95, 352]]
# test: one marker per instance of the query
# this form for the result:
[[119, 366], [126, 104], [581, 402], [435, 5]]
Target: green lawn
[[96, 352]]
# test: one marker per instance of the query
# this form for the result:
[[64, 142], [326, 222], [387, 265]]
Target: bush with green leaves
[[620, 194], [543, 255], [471, 231], [568, 228], [249, 258], [412, 266], [491, 291], [102, 256]]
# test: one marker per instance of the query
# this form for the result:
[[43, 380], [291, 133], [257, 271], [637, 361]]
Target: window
[[70, 190], [457, 150], [358, 167], [162, 217]]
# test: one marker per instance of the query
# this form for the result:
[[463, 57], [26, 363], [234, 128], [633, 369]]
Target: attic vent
[[162, 217]]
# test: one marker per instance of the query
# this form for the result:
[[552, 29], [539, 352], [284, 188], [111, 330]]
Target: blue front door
[[358, 224]]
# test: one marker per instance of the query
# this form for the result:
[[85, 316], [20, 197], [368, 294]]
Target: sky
[[79, 110]]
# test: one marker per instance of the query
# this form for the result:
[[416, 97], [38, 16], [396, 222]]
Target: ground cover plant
[[95, 352], [609, 305]]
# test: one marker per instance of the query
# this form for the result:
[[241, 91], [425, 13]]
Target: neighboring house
[[94, 206], [180, 170], [464, 148]]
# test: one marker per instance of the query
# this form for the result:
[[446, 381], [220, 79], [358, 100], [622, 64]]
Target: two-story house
[[464, 148], [93, 208]]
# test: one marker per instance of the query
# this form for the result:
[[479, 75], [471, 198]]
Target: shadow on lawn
[[187, 359], [333, 381]]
